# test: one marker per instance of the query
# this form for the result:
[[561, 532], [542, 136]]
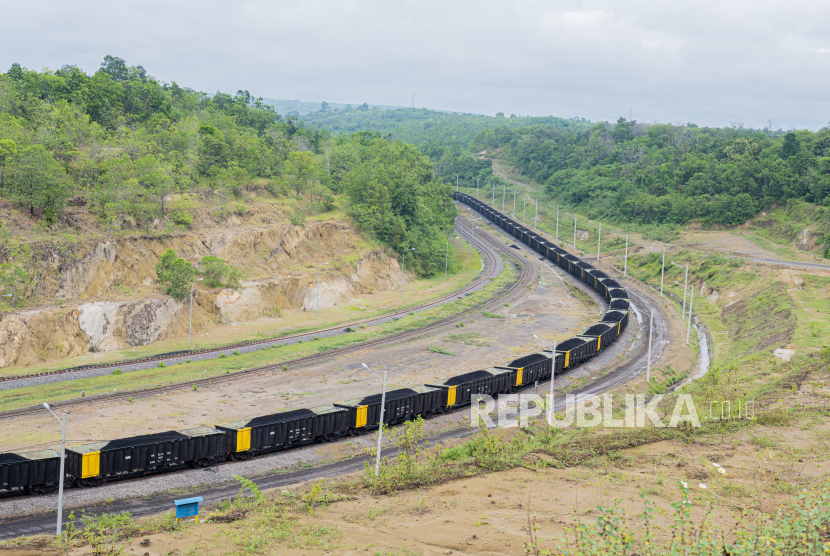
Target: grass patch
[[184, 372], [489, 315], [436, 349]]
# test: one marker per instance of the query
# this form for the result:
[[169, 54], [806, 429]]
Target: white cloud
[[706, 61]]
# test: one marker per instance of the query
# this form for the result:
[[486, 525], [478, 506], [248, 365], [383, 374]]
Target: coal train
[[37, 472]]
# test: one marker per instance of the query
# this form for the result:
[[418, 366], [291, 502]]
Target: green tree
[[790, 146], [622, 131], [7, 148], [37, 180], [217, 272], [175, 274], [214, 152]]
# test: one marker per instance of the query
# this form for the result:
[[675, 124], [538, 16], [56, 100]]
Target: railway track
[[489, 247], [181, 356]]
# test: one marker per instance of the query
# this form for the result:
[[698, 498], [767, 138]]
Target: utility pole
[[63, 460], [494, 193], [689, 326], [625, 261], [569, 214], [413, 100], [476, 189], [447, 257], [599, 238], [662, 268], [648, 362], [685, 284], [524, 209], [382, 410], [503, 192], [514, 204]]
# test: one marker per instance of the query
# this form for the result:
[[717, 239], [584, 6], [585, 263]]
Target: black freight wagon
[[618, 293], [37, 472], [280, 430], [620, 318], [556, 255], [604, 333], [557, 360], [462, 389], [619, 304], [609, 284], [596, 275], [573, 265], [92, 464], [529, 368], [401, 405], [575, 350]]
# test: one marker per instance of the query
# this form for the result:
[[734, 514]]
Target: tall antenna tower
[[413, 100]]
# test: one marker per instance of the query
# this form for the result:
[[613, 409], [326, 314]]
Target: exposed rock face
[[32, 335], [111, 326], [91, 275], [805, 241], [127, 268]]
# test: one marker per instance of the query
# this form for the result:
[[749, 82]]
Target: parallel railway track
[[490, 269], [489, 247]]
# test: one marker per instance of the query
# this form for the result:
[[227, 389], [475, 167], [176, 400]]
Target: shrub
[[217, 272], [184, 219], [161, 364], [175, 274], [298, 219], [117, 372]]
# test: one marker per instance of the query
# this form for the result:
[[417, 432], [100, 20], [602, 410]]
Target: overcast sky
[[709, 62]]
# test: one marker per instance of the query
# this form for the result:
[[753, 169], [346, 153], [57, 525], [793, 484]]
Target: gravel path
[[143, 365]]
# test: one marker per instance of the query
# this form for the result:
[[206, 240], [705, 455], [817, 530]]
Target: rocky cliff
[[106, 297]]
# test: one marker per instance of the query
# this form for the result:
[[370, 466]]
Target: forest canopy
[[123, 144], [669, 174]]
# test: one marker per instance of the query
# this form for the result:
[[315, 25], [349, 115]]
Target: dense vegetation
[[445, 137], [669, 174], [122, 144]]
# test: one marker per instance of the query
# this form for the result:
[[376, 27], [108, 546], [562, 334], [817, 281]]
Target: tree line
[[121, 143], [669, 174]]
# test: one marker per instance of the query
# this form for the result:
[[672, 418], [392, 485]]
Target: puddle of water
[[704, 352]]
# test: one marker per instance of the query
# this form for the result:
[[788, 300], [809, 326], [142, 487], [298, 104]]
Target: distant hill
[[421, 126], [283, 106]]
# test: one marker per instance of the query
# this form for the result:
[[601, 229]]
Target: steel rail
[[524, 275], [219, 349]]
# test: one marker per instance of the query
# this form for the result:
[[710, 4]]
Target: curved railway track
[[489, 247], [166, 358]]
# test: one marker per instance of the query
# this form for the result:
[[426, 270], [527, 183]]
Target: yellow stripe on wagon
[[361, 416], [567, 359], [91, 465], [451, 395], [243, 440], [519, 375]]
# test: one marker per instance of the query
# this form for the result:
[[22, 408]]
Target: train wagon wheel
[[41, 489]]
